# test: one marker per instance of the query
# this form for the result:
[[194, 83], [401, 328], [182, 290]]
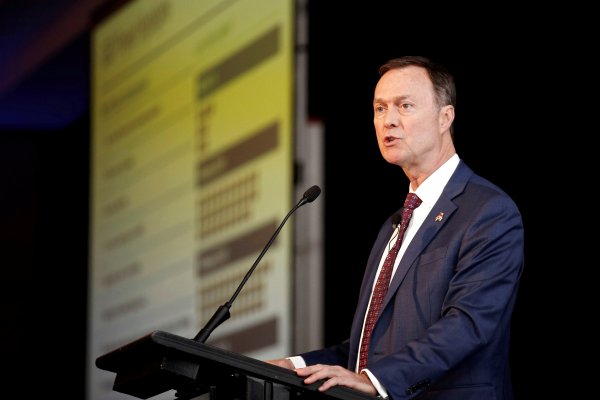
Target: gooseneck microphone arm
[[222, 313]]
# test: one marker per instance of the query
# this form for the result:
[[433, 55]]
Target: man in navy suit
[[444, 327]]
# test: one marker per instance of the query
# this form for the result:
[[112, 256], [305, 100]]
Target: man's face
[[407, 118]]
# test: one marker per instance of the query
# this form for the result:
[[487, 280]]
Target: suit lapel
[[430, 227], [424, 235]]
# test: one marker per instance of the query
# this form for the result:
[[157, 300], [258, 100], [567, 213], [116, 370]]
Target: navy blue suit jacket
[[444, 329]]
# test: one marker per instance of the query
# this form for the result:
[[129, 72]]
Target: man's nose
[[392, 117]]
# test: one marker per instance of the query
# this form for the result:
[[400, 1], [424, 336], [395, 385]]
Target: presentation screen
[[192, 164]]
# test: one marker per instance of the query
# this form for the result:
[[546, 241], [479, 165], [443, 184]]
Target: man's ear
[[446, 117]]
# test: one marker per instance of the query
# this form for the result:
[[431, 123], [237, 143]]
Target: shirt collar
[[431, 189]]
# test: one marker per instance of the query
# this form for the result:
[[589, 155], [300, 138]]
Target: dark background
[[506, 114]]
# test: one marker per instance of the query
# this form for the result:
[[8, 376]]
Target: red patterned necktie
[[383, 280]]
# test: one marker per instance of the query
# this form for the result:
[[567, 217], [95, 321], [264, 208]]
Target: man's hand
[[335, 375]]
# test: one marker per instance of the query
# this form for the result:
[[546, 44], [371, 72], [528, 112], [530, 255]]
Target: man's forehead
[[405, 83]]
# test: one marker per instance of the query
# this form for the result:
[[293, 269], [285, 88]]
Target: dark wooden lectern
[[162, 361]]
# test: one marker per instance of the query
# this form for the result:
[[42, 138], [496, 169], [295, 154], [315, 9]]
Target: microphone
[[222, 313], [396, 220]]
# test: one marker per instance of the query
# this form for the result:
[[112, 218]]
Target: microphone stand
[[222, 313]]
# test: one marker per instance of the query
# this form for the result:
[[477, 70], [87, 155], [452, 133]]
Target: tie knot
[[412, 201]]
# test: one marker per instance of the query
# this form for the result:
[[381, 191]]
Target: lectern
[[162, 361]]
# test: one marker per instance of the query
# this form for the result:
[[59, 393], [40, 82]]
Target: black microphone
[[222, 313], [396, 220]]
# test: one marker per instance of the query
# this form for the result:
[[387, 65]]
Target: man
[[443, 329]]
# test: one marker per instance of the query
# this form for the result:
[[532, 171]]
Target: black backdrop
[[500, 72]]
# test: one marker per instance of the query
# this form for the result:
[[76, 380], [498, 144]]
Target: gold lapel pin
[[439, 217]]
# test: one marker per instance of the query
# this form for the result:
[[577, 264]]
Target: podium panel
[[162, 361]]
